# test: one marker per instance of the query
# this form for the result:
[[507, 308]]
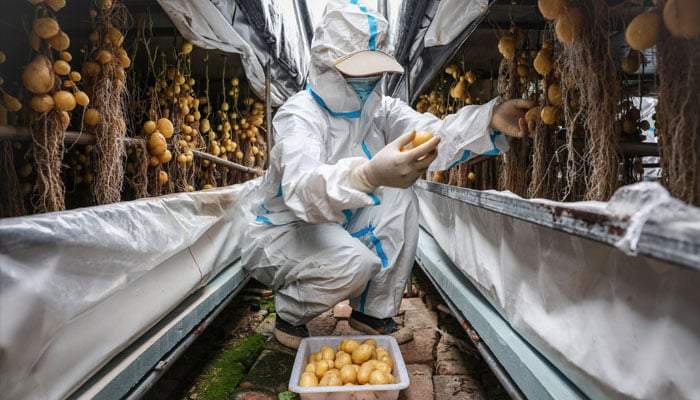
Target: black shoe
[[379, 326], [288, 334], [373, 326]]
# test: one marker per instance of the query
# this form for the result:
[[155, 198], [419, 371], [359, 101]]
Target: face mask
[[363, 86]]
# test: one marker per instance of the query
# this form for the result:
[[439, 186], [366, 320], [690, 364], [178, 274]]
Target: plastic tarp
[[452, 18], [77, 287], [618, 325], [277, 29], [426, 41]]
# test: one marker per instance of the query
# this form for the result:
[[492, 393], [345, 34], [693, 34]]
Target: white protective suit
[[315, 239]]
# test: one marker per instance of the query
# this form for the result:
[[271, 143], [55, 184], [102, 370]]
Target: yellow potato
[[351, 345], [308, 379], [362, 354], [342, 359], [364, 372], [327, 353], [378, 377], [419, 139], [348, 373]]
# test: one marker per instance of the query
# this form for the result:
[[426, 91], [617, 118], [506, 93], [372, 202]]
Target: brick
[[270, 372], [412, 303], [421, 386], [449, 360], [253, 395], [323, 325], [420, 349], [266, 326], [342, 310], [420, 319], [457, 387], [342, 328]]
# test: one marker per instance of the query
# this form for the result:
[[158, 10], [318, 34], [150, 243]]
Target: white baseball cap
[[367, 63]]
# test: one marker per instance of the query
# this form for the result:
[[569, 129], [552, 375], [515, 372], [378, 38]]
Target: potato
[[378, 377], [631, 62], [348, 373], [341, 359], [162, 177], [64, 100], [41, 103], [45, 27], [364, 372], [166, 128], [362, 353], [322, 367], [682, 17], [506, 46], [165, 157], [56, 4], [308, 379], [59, 41], [568, 26], [38, 76], [11, 103], [382, 366], [91, 117], [157, 144], [554, 94], [81, 98], [643, 31], [331, 378], [351, 345], [549, 115], [533, 114], [543, 61], [550, 9], [419, 139], [327, 352]]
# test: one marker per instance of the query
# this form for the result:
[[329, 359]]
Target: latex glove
[[394, 168], [509, 118]]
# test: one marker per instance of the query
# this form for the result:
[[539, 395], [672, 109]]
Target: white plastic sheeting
[[203, 24], [617, 325], [77, 287], [451, 19]]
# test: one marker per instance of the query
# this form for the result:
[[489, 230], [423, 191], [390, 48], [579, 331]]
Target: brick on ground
[[457, 387], [342, 310], [252, 395], [420, 319], [421, 383], [420, 349], [267, 325], [342, 328], [448, 359], [270, 372], [322, 325], [412, 303]]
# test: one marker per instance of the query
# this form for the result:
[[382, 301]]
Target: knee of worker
[[357, 270]]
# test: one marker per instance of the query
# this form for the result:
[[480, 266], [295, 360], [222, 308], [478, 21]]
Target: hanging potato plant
[[53, 94], [105, 75]]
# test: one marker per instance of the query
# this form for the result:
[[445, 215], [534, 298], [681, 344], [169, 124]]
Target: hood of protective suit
[[346, 27]]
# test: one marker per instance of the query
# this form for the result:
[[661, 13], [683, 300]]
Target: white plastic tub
[[357, 392]]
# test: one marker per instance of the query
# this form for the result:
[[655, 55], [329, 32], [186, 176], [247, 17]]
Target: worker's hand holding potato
[[393, 167], [509, 118]]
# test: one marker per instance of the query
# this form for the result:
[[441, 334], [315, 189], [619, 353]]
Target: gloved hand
[[394, 168]]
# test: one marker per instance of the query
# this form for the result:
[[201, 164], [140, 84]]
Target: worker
[[336, 217]]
